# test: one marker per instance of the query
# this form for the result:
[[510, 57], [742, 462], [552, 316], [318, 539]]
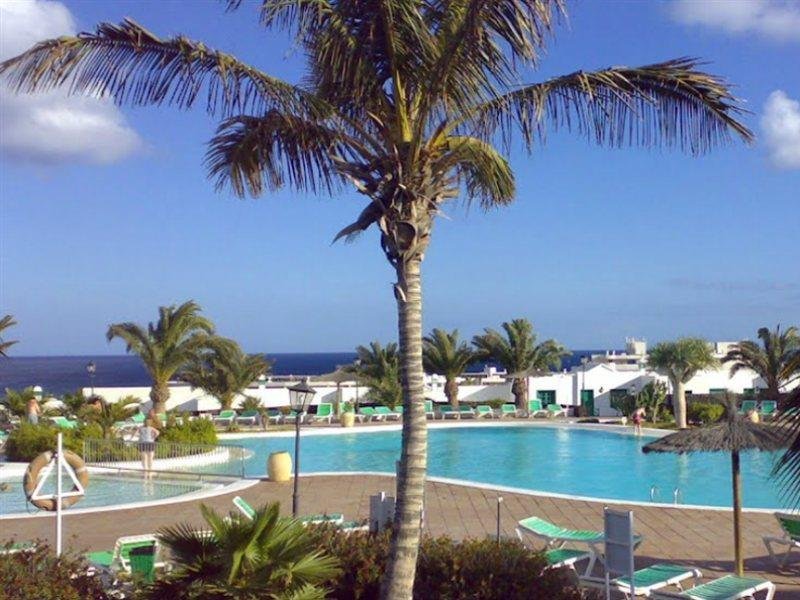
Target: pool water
[[556, 459], [103, 490]]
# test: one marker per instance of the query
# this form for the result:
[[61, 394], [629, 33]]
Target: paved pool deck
[[697, 537]]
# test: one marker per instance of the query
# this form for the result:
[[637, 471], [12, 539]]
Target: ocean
[[59, 374]]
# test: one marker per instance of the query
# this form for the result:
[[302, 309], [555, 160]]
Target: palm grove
[[405, 101]]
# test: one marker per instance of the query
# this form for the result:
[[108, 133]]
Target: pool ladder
[[677, 495]]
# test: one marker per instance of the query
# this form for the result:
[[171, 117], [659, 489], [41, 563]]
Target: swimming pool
[[103, 490], [555, 459]]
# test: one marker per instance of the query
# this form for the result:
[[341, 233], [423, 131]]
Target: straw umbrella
[[733, 433], [341, 375]]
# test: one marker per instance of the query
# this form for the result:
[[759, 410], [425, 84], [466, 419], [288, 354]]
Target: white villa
[[591, 384]]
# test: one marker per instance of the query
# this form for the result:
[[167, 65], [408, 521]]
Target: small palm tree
[[238, 558], [16, 402], [519, 354], [6, 322], [773, 361], [224, 370], [379, 369], [167, 346], [443, 354], [107, 414], [680, 361], [73, 401]]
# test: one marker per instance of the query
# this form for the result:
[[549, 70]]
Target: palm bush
[[107, 414], [237, 558], [405, 101], [775, 361], [681, 360], [443, 354], [223, 370], [16, 401], [519, 354], [166, 346]]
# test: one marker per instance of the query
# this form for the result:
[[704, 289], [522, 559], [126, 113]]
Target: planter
[[279, 466], [347, 419]]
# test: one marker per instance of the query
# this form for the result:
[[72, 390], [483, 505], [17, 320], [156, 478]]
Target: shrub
[[446, 569], [199, 431], [495, 403], [28, 441], [705, 412], [39, 575]]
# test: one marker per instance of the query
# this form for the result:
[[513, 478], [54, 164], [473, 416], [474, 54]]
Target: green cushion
[[558, 556], [508, 408], [657, 575], [549, 530], [791, 525], [723, 588], [103, 558]]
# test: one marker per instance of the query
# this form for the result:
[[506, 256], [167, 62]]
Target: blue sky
[[107, 216]]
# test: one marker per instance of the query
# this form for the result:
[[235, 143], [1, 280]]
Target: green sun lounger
[[274, 415], [64, 422], [535, 409], [747, 406], [728, 587], [324, 413], [446, 411], [646, 581], [768, 408], [119, 559], [554, 410], [387, 413], [557, 537], [244, 507], [484, 410], [248, 417], [466, 411], [367, 413], [225, 417], [508, 410], [790, 524], [429, 409], [558, 558]]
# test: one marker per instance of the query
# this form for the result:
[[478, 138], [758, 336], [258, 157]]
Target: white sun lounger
[[790, 524], [728, 587]]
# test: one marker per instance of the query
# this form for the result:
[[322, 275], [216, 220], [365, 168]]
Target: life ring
[[31, 479]]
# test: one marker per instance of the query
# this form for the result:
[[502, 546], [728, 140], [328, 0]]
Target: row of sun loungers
[[766, 408]]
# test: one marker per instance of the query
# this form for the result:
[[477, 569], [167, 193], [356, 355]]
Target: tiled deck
[[701, 538]]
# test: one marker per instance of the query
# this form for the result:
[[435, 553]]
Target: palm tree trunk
[[451, 391], [520, 390], [159, 394], [737, 514], [398, 583], [679, 403]]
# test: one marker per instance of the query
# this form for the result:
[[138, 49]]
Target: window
[[546, 396]]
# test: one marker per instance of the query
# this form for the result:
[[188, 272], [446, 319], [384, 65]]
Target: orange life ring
[[35, 467]]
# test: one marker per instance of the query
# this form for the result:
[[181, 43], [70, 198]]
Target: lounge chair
[[508, 410], [64, 422], [767, 409], [244, 507], [728, 587], [17, 547], [554, 410], [119, 559], [557, 537], [248, 417], [790, 524], [446, 411], [324, 413], [535, 409], [225, 417], [429, 409], [290, 417], [466, 411], [558, 558], [367, 413], [646, 581], [274, 415], [387, 413], [747, 406], [484, 410]]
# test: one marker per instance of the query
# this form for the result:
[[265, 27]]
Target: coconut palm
[[519, 354], [6, 322], [403, 100], [443, 354], [680, 361], [224, 370], [238, 558], [774, 362], [379, 369], [166, 346]]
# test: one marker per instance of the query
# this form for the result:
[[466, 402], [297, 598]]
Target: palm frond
[[787, 469], [6, 322], [486, 174], [136, 67], [664, 104]]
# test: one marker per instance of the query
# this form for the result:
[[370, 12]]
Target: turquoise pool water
[[104, 490], [561, 460]]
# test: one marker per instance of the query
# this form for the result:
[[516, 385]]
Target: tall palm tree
[[6, 322], [238, 558], [443, 354], [167, 346], [379, 369], [519, 354], [680, 361], [224, 370], [774, 362], [403, 100]]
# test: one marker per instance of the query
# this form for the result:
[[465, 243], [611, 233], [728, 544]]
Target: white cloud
[[774, 19], [781, 126], [52, 127]]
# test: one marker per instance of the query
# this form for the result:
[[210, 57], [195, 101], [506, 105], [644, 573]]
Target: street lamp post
[[300, 397], [90, 370]]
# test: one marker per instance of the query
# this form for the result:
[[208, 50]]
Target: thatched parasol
[[733, 433]]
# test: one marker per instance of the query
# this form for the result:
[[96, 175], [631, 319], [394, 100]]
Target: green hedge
[[199, 431], [28, 441], [446, 568], [705, 412]]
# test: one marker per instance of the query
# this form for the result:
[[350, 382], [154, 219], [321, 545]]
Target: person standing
[[33, 410], [637, 417], [147, 445]]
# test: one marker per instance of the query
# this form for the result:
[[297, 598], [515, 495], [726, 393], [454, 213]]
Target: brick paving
[[696, 537]]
